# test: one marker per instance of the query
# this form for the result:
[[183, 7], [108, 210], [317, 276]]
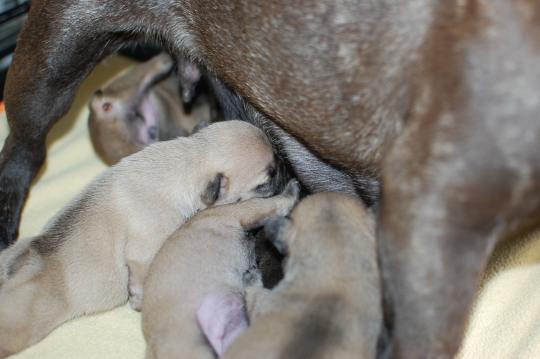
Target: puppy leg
[[257, 211], [142, 77]]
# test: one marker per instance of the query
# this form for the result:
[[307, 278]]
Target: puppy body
[[139, 108], [97, 251], [194, 284], [328, 305]]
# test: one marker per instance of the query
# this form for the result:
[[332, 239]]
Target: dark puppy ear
[[211, 193], [28, 259], [199, 127], [275, 231]]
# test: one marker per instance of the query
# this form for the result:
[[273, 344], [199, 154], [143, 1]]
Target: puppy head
[[124, 117], [241, 162], [107, 125], [322, 228]]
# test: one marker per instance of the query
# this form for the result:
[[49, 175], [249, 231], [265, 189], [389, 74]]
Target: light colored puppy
[[194, 288], [139, 108], [102, 243], [328, 305]]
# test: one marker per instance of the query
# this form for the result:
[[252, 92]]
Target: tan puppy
[[139, 108], [329, 303], [103, 242], [194, 287]]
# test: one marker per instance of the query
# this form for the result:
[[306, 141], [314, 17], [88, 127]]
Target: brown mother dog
[[439, 99]]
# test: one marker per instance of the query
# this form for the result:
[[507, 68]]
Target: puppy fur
[[96, 252], [194, 288], [329, 303], [139, 108]]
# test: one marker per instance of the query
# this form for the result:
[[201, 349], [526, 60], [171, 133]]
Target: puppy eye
[[107, 106], [263, 188]]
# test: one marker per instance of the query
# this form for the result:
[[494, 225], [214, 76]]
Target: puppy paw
[[163, 62], [292, 189], [288, 198], [275, 231], [252, 276]]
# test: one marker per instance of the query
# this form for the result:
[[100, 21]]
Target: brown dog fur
[[96, 252], [329, 304]]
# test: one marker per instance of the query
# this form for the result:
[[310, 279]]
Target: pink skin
[[146, 130], [222, 318]]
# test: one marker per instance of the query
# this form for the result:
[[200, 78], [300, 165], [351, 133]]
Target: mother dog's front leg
[[450, 192], [58, 46]]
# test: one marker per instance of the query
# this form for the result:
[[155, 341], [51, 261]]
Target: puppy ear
[[276, 231], [199, 127], [27, 259], [215, 189]]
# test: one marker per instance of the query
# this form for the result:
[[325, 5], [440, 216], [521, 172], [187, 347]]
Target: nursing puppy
[[329, 303], [96, 252], [194, 287], [142, 107]]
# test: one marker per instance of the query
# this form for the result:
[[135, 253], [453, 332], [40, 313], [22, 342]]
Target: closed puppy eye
[[263, 188], [267, 186], [215, 189]]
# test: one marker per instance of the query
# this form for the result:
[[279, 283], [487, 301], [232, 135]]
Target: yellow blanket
[[505, 323]]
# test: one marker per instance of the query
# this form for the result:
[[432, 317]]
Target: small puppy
[[141, 107], [329, 303], [97, 250], [194, 286]]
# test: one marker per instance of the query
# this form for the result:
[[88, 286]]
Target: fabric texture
[[506, 317]]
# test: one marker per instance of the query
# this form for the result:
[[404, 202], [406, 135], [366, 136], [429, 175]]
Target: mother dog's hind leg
[[449, 195], [461, 174], [59, 45]]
